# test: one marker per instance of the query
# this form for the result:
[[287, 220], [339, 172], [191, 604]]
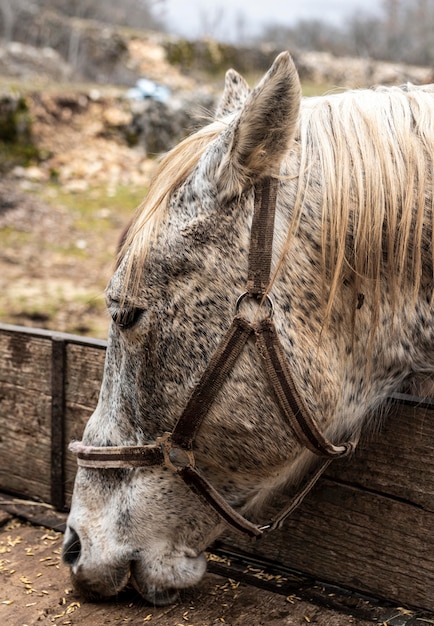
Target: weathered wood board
[[368, 525], [49, 386]]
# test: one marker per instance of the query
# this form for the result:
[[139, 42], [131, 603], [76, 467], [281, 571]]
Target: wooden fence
[[368, 525]]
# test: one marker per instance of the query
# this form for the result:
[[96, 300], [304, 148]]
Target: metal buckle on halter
[[175, 458]]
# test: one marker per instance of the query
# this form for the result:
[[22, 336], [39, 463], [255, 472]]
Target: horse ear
[[263, 131], [234, 95]]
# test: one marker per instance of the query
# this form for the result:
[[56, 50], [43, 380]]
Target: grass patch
[[56, 305], [95, 206], [54, 275]]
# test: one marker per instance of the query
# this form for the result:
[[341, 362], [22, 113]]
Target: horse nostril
[[71, 548]]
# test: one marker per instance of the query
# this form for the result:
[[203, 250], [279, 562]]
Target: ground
[[35, 589]]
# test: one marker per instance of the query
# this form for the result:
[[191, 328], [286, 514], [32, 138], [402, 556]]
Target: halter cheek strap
[[175, 450]]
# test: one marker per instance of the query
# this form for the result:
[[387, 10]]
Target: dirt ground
[[35, 589]]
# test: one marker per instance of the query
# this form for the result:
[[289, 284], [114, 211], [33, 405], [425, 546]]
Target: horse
[[330, 300]]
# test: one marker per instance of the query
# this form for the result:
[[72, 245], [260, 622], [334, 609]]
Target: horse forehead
[[191, 200]]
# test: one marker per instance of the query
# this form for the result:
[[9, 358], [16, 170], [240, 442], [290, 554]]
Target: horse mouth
[[95, 589], [157, 580], [186, 573], [94, 592], [154, 596]]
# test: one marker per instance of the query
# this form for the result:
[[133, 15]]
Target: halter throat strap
[[175, 449]]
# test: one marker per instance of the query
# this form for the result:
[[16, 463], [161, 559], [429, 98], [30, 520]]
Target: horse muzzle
[[161, 586], [158, 581]]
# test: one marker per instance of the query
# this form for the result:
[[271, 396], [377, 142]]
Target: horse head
[[181, 270]]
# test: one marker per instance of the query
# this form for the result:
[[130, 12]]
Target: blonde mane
[[372, 150]]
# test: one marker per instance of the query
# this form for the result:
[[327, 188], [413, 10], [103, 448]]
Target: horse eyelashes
[[124, 314], [127, 318]]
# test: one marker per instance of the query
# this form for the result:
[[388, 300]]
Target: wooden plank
[[363, 541], [84, 370], [58, 374], [38, 513], [25, 410], [398, 460], [368, 524], [27, 407], [25, 443], [25, 362]]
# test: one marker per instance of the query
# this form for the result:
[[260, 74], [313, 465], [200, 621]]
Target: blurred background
[[93, 91], [395, 30]]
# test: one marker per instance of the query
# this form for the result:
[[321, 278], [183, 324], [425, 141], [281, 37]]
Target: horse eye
[[127, 317]]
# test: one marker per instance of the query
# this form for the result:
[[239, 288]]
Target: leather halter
[[175, 450]]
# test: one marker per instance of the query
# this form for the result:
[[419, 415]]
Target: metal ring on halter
[[260, 301]]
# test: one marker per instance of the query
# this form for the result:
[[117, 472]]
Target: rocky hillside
[[48, 45], [43, 95]]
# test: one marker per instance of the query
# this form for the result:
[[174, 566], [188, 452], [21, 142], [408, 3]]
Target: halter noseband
[[175, 450]]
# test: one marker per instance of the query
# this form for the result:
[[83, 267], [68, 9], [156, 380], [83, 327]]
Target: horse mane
[[370, 149]]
